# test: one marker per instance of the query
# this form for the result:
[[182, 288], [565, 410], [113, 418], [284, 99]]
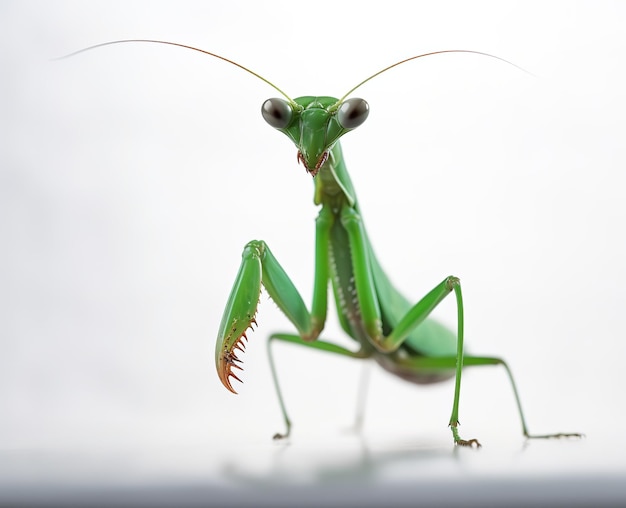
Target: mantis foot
[[470, 443], [278, 436], [457, 439]]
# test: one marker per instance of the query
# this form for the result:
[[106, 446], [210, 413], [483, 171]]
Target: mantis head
[[314, 124]]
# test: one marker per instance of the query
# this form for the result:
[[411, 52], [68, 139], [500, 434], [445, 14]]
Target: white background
[[132, 176]]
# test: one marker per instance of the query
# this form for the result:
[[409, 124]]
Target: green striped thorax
[[314, 124]]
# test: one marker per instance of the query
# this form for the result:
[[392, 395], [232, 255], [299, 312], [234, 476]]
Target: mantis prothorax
[[398, 335]]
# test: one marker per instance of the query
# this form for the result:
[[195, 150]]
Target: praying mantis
[[398, 335]]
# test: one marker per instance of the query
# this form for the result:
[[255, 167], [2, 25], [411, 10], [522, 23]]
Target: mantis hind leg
[[419, 364], [482, 360], [295, 339]]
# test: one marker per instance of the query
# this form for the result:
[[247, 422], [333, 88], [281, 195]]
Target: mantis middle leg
[[371, 314], [318, 344]]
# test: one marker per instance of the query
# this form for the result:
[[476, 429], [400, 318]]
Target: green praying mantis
[[386, 327]]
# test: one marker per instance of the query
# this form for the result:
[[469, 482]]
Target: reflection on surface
[[330, 471]]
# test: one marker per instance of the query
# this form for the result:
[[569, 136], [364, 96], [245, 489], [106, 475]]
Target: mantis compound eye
[[352, 113], [277, 113]]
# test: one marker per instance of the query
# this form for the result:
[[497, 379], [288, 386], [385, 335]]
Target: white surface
[[132, 176]]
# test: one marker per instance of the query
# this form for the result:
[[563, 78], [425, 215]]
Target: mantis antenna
[[289, 99], [421, 56]]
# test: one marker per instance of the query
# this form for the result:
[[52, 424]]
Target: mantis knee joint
[[254, 248], [452, 282]]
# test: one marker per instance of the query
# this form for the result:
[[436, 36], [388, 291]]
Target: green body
[[335, 193]]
